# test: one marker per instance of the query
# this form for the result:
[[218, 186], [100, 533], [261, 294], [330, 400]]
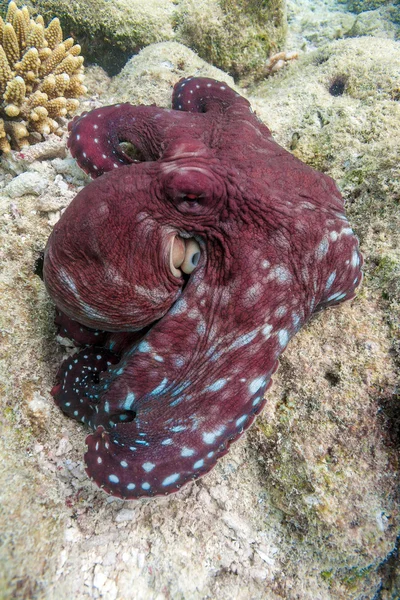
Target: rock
[[236, 35], [359, 6], [26, 183], [375, 23], [125, 515], [150, 75], [110, 33]]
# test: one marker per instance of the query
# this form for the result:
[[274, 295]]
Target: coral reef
[[40, 78], [235, 35], [110, 37]]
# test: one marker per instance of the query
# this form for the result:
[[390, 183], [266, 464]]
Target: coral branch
[[40, 78]]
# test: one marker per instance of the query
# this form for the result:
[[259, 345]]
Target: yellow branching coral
[[40, 78]]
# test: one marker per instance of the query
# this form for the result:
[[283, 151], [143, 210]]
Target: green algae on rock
[[235, 35], [110, 32], [358, 6]]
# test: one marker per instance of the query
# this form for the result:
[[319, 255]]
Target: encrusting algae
[[40, 78]]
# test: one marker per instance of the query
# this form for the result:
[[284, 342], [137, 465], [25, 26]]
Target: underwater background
[[306, 504]]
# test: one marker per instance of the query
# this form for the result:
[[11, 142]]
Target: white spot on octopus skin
[[337, 296], [209, 436], [146, 485], [130, 486], [160, 387], [171, 479], [123, 464], [148, 466], [178, 428], [198, 464], [330, 280], [113, 478], [256, 384], [144, 347], [216, 386], [355, 259], [322, 249], [296, 319], [266, 330], [283, 336], [347, 231], [244, 339], [130, 398], [241, 420], [281, 311], [281, 273], [187, 451]]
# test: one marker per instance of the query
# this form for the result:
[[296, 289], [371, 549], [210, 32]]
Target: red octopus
[[183, 271]]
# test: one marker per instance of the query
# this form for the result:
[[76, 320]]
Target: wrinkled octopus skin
[[174, 363]]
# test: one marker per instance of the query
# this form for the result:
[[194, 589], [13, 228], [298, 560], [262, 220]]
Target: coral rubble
[[40, 78]]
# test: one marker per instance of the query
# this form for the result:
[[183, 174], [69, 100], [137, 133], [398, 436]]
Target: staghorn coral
[[40, 78]]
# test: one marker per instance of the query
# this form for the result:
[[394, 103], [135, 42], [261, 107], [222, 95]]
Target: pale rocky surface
[[305, 505], [312, 24]]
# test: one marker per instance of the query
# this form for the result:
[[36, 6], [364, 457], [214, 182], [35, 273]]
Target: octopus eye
[[131, 152], [192, 257], [184, 255]]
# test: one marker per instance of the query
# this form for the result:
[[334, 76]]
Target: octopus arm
[[97, 138]]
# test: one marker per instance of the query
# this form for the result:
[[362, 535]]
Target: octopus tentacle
[[194, 383], [95, 137], [78, 375], [78, 333], [202, 94]]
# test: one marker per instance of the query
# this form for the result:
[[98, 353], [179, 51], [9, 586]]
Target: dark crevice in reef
[[390, 574], [338, 85], [332, 377], [389, 408], [38, 266]]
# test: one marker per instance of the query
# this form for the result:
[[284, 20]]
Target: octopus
[[181, 272]]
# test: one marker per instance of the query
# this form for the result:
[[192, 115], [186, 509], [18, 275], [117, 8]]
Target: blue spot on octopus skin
[[181, 275]]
